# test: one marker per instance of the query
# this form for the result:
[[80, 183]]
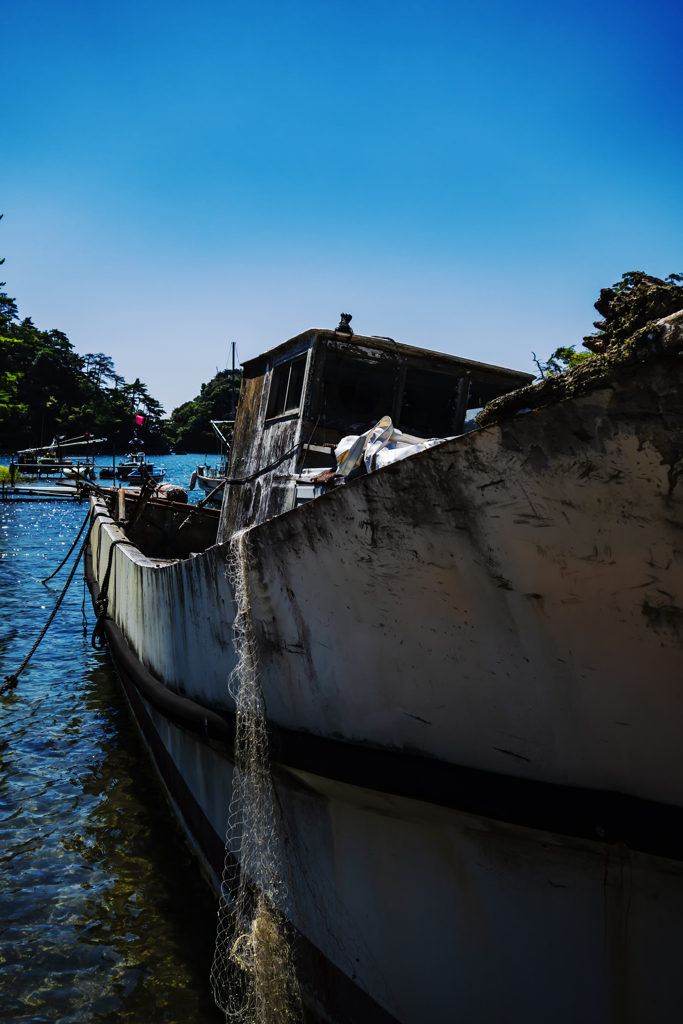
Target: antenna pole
[[233, 382]]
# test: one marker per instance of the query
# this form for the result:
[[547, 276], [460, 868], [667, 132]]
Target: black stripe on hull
[[598, 815]]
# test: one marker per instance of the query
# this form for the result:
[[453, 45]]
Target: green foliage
[[47, 389], [629, 306], [633, 304], [562, 359], [190, 423], [10, 407], [5, 477]]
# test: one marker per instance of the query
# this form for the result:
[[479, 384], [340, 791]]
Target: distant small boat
[[50, 458], [209, 477], [149, 473], [129, 464], [50, 463], [107, 473], [135, 469], [79, 471]]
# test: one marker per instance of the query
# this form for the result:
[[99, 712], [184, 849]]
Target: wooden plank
[[121, 505], [55, 492]]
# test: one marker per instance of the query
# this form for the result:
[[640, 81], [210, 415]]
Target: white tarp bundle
[[379, 446]]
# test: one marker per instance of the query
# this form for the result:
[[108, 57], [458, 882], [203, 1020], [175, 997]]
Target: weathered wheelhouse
[[298, 400]]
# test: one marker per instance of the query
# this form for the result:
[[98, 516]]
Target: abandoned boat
[[465, 666]]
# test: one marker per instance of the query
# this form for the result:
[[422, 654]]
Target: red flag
[[139, 419]]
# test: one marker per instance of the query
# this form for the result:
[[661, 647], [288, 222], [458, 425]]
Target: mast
[[233, 383]]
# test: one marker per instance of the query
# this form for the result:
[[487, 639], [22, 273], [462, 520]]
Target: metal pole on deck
[[233, 384]]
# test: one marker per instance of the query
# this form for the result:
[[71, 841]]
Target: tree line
[[48, 390], [190, 423]]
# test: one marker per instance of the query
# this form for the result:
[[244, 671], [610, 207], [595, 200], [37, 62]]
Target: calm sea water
[[104, 915]]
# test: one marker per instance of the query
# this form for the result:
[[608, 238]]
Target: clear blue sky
[[176, 176]]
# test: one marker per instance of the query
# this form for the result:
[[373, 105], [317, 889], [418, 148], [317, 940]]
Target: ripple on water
[[103, 913]]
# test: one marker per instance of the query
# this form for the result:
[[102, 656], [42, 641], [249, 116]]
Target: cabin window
[[357, 392], [479, 397], [286, 387], [430, 404]]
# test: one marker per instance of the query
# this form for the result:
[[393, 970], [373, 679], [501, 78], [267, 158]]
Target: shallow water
[[104, 915]]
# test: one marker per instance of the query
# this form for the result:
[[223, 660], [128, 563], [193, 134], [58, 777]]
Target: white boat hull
[[407, 911], [209, 483]]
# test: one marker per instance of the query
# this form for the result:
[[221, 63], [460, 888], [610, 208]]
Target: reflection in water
[[103, 912]]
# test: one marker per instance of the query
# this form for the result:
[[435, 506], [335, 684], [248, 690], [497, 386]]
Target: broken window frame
[[342, 424], [276, 373]]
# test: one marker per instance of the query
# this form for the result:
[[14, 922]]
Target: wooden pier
[[35, 492], [59, 491]]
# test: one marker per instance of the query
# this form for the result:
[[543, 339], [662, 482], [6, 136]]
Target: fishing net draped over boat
[[253, 976]]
